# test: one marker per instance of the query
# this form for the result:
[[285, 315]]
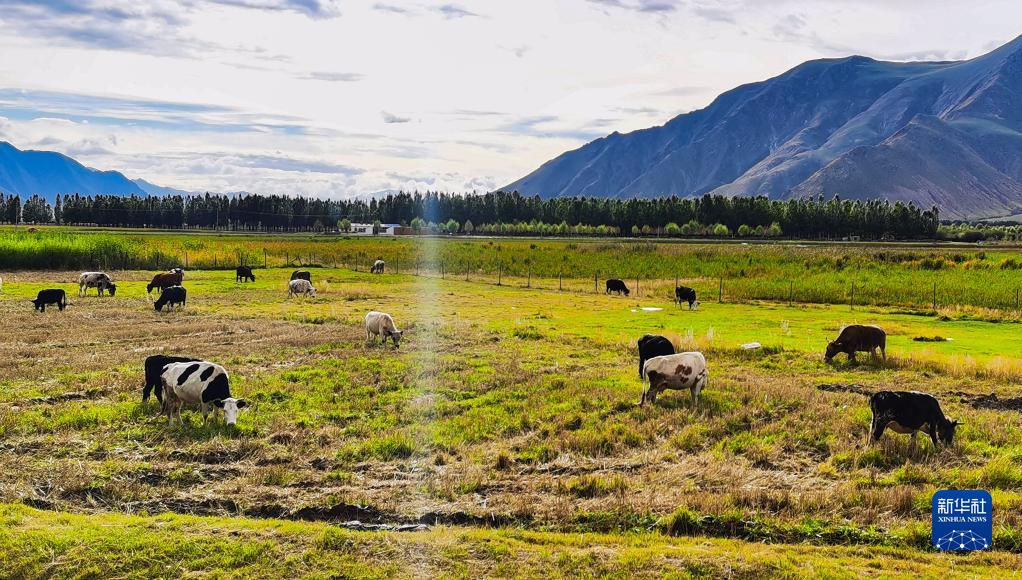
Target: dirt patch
[[65, 397], [990, 401], [839, 388], [930, 339]]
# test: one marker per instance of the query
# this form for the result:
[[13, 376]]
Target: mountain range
[[48, 173], [934, 133]]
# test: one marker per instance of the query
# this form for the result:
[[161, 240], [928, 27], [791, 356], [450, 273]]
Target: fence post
[[934, 296], [560, 281], [214, 260], [500, 270], [529, 283], [637, 285], [596, 285], [467, 266], [791, 292], [720, 290], [851, 298], [1016, 298], [398, 265], [186, 259], [264, 258]]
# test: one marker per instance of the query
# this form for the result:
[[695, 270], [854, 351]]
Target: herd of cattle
[[181, 380]]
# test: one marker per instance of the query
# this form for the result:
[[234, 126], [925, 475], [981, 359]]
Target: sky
[[338, 98]]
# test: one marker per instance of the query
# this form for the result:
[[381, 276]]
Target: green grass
[[504, 406]]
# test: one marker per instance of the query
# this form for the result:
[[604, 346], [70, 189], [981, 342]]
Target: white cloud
[[344, 98]]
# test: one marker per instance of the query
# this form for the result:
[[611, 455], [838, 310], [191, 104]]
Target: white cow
[[198, 383], [686, 370], [299, 286], [99, 280], [382, 325]]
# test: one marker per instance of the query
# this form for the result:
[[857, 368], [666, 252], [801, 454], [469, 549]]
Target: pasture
[[505, 425]]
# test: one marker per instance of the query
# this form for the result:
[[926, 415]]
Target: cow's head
[[946, 431], [312, 291], [627, 292], [833, 348], [112, 288], [694, 305], [230, 407], [396, 337]]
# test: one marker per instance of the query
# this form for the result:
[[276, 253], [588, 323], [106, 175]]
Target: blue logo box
[[963, 520]]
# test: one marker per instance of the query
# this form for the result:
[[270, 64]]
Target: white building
[[367, 229]]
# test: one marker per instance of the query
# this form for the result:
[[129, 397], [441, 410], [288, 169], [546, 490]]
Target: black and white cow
[[154, 366], [651, 345], [909, 412], [198, 383], [377, 267], [171, 296], [615, 285], [101, 281], [244, 273], [50, 296], [686, 294], [685, 370]]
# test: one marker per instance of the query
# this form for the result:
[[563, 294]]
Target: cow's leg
[[931, 430], [883, 352], [851, 357]]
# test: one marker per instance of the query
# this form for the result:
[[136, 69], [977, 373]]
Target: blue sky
[[340, 98]]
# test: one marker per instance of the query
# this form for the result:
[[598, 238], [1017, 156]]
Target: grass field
[[506, 423]]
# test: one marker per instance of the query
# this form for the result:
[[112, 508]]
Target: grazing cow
[[377, 267], [652, 345], [301, 275], [170, 297], [686, 370], [615, 285], [858, 338], [154, 368], [909, 412], [300, 287], [382, 325], [244, 273], [51, 296], [98, 280], [686, 294], [203, 383], [166, 280]]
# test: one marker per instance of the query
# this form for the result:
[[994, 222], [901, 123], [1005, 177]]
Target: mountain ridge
[[793, 135]]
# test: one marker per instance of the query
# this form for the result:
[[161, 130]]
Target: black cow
[[301, 275], [243, 273], [653, 345], [615, 285], [153, 369], [909, 412], [686, 294], [858, 338], [51, 296], [173, 295]]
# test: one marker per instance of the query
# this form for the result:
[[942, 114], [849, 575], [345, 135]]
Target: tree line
[[507, 213]]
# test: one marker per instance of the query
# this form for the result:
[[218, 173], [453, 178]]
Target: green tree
[[775, 230], [468, 228], [721, 230], [744, 230], [451, 226], [673, 229], [344, 225], [377, 226], [418, 224], [636, 231]]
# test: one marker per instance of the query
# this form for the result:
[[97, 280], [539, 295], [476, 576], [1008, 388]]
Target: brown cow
[[858, 338], [166, 280]]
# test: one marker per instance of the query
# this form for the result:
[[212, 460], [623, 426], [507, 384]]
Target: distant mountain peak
[[48, 173], [948, 133]]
